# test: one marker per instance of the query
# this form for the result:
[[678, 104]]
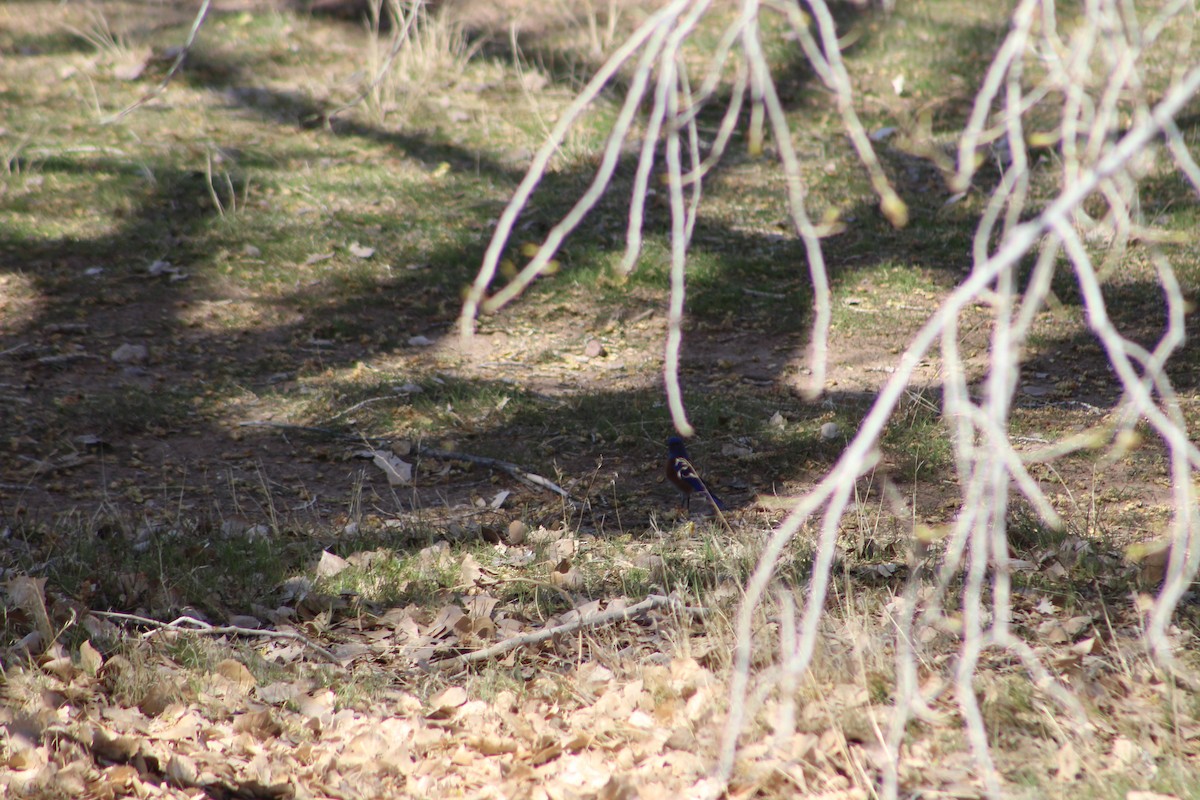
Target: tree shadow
[[173, 216], [162, 415]]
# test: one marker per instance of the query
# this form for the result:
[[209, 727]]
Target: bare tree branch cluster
[[1093, 79]]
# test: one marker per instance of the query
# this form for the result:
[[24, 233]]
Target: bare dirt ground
[[69, 454]]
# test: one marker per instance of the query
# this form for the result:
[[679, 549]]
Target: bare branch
[[518, 472], [535, 637], [655, 27], [192, 625]]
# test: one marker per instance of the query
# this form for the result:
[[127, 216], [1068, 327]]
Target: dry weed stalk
[[180, 56], [1093, 83]]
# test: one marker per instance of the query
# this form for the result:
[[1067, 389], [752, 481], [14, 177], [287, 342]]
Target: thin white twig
[[822, 304], [535, 637], [838, 79], [654, 26], [857, 456], [678, 262], [362, 404], [515, 470], [187, 624]]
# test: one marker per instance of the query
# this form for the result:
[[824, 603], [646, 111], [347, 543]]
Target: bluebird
[[685, 477]]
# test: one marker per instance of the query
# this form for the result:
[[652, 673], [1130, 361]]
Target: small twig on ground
[[515, 470], [591, 621], [359, 405], [504, 466], [537, 584], [65, 358], [12, 350], [193, 625]]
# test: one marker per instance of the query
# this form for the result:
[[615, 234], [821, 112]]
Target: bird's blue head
[[675, 445]]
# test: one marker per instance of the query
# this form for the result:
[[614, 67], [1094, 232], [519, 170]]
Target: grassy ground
[[293, 270]]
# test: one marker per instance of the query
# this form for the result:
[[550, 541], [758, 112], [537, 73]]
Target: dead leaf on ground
[[236, 673], [469, 571], [565, 576], [261, 724], [90, 660], [444, 703], [330, 564], [360, 250], [113, 748], [29, 594], [398, 471]]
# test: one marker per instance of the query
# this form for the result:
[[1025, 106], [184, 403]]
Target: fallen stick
[[505, 466], [362, 404], [592, 621], [515, 470], [193, 625]]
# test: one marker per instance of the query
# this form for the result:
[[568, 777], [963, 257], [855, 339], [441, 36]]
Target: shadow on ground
[[158, 435]]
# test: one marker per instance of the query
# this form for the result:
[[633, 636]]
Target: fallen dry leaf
[[182, 770], [113, 748], [469, 570], [330, 564], [445, 701], [398, 471], [90, 660], [30, 595], [236, 673], [260, 724], [361, 251]]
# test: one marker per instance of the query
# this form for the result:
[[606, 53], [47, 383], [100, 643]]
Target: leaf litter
[[628, 707], [226, 732]]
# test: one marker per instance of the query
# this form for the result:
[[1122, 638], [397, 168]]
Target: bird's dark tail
[[716, 501]]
